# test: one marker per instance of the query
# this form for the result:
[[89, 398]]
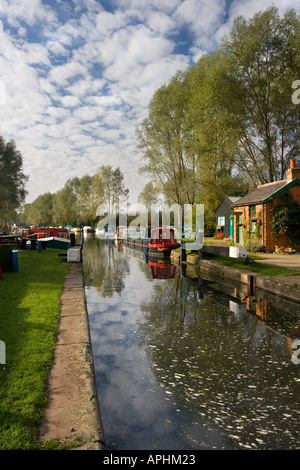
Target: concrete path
[[285, 261], [73, 409]]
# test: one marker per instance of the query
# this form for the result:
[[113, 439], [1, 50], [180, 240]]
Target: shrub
[[219, 235], [256, 248]]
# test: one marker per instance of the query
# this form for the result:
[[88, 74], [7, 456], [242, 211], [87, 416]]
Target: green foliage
[[164, 141], [286, 219], [76, 203], [12, 180], [148, 195], [228, 122], [261, 57]]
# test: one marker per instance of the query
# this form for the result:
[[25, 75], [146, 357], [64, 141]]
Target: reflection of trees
[[103, 267], [221, 365]]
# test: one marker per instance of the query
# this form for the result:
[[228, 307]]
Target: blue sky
[[76, 76]]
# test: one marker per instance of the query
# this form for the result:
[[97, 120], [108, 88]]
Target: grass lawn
[[30, 303], [260, 268]]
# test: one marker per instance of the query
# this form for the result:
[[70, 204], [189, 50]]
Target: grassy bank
[[259, 268], [30, 303]]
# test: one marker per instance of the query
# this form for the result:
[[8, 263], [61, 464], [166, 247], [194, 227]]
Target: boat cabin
[[45, 232], [162, 240]]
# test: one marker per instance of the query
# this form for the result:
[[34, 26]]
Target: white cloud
[[70, 101], [78, 79], [29, 12], [248, 8]]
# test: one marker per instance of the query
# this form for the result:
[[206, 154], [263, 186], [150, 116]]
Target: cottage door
[[239, 234], [239, 230], [231, 225]]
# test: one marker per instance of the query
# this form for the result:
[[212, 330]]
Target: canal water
[[185, 363]]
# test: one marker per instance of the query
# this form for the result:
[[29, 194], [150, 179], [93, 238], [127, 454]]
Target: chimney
[[293, 172]]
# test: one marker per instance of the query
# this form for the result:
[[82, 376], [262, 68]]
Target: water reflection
[[103, 269], [184, 362]]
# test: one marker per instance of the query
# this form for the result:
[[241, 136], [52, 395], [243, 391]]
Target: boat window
[[166, 234], [154, 235]]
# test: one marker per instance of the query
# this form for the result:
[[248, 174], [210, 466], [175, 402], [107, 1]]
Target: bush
[[256, 248]]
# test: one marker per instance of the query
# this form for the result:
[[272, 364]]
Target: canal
[[185, 363]]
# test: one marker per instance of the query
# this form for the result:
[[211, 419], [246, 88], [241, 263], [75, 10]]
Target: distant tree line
[[76, 203], [227, 123]]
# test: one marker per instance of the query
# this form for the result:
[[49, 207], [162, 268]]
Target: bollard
[[39, 245], [182, 254], [15, 261], [72, 239]]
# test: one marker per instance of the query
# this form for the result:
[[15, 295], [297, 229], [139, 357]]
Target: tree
[[64, 205], [262, 55], [214, 141], [148, 195], [12, 180], [41, 210], [163, 139], [112, 190]]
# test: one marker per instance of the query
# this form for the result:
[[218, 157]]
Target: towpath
[[73, 412]]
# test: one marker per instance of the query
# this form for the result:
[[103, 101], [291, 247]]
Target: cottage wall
[[268, 238], [272, 240], [246, 222]]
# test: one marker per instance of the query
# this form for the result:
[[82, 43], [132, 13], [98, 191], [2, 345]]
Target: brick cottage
[[253, 213]]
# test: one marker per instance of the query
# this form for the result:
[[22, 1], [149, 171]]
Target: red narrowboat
[[162, 241], [45, 232]]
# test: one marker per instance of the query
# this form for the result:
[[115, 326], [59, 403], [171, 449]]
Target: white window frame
[[221, 220]]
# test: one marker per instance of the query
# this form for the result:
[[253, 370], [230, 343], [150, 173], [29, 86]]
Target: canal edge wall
[[281, 285], [73, 411]]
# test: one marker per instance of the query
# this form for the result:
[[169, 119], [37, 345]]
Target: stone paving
[[285, 261], [73, 409]]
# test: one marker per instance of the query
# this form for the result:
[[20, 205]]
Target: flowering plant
[[219, 235]]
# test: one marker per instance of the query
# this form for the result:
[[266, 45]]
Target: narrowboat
[[110, 232], [162, 241], [37, 233], [99, 232], [121, 229], [51, 237], [87, 229], [55, 242]]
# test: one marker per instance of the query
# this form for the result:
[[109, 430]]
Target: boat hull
[[161, 251], [56, 242]]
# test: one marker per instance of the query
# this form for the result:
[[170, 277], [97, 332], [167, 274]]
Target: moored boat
[[87, 229], [162, 241], [110, 232], [56, 242], [121, 230], [38, 233]]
